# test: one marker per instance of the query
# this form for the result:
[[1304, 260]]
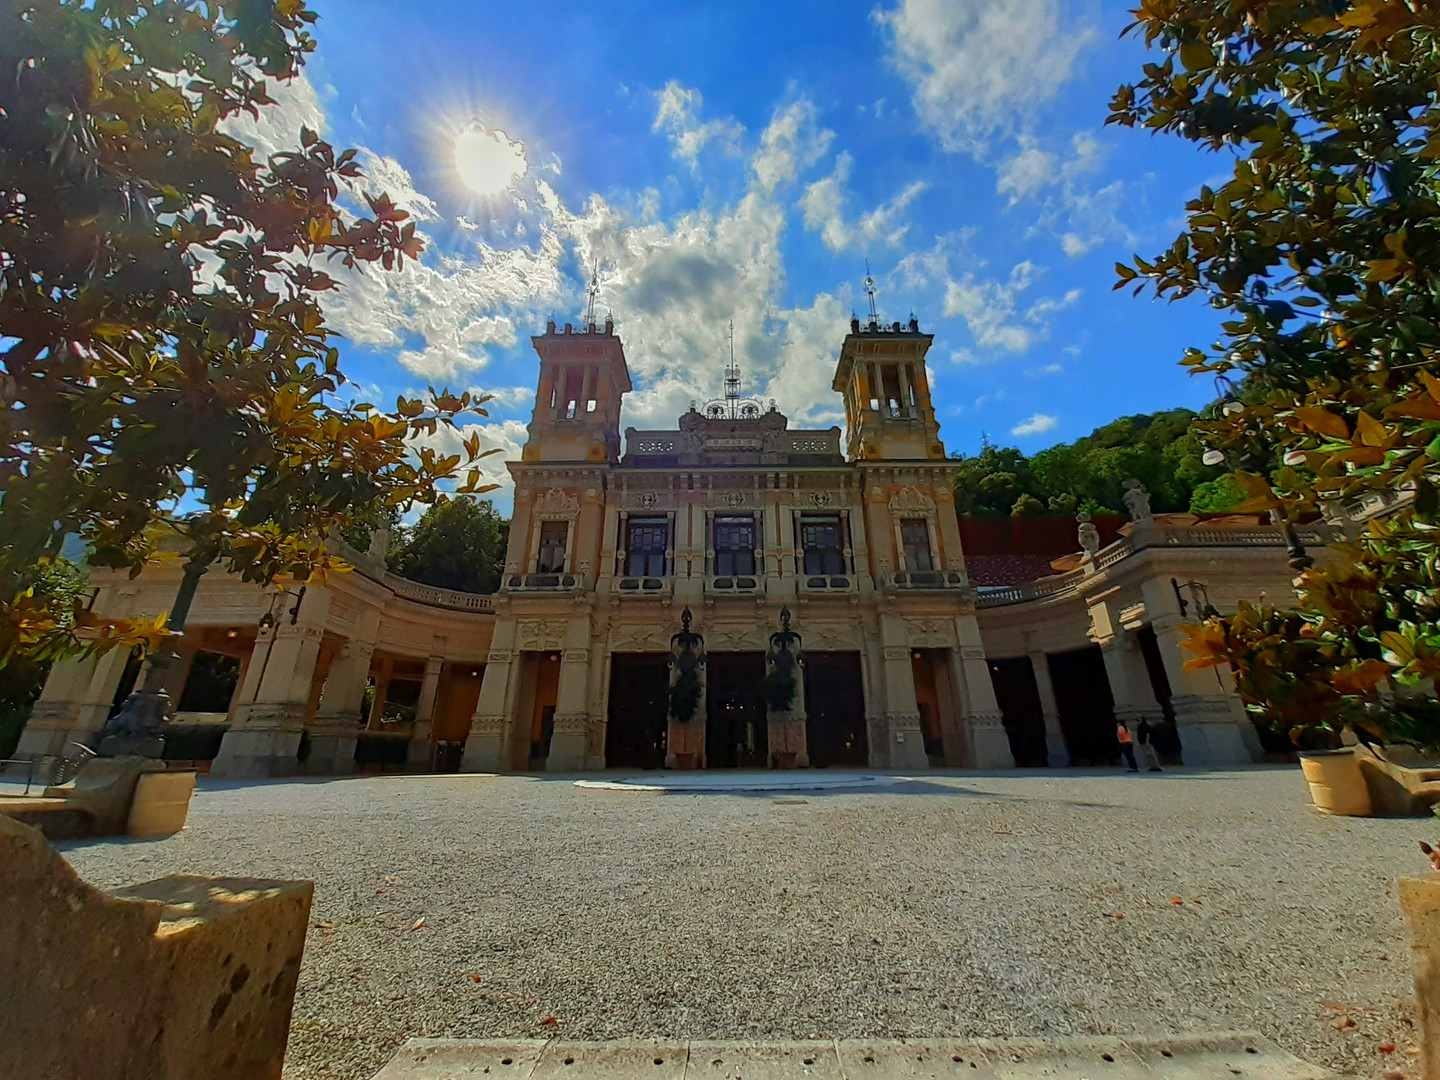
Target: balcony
[[643, 586], [827, 583], [928, 579], [542, 582], [735, 585]]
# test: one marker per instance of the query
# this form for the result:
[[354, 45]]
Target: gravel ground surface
[[1025, 904]]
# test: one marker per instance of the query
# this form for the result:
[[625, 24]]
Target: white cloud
[[824, 202], [677, 113], [992, 310], [1038, 424], [1080, 217], [792, 142], [505, 436], [978, 68], [277, 128]]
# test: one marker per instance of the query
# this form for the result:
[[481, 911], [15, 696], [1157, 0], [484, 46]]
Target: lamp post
[[1298, 557], [136, 728]]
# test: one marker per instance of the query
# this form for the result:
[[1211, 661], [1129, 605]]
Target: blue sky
[[742, 160]]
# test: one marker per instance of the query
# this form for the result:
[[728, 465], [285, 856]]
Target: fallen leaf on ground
[[1118, 915], [1002, 832], [549, 1020], [1340, 1023], [474, 978], [1176, 901], [418, 923], [379, 891], [1386, 1048], [390, 879]]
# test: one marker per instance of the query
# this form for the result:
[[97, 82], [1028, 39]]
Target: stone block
[[106, 788], [1420, 900], [161, 803], [174, 979]]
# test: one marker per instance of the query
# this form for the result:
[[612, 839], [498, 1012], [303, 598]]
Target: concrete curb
[[1218, 1056]]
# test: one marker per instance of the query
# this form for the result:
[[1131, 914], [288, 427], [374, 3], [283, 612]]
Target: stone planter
[[1337, 786], [1420, 900]]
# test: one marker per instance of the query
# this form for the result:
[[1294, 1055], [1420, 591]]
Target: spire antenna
[[870, 292], [732, 377], [594, 291]]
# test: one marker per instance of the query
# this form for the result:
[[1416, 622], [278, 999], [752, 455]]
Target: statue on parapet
[[1137, 500], [1089, 535]]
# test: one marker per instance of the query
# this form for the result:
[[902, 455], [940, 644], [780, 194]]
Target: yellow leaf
[[1323, 421], [1361, 679], [1383, 270], [1370, 431]]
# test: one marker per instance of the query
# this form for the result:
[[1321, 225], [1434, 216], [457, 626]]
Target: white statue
[[1089, 535], [1137, 500], [379, 544]]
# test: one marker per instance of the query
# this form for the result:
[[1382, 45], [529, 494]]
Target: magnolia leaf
[[1323, 421]]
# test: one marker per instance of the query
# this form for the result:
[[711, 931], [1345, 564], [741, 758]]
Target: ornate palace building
[[731, 546]]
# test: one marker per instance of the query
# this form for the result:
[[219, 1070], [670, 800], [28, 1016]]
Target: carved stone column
[[984, 722], [421, 754], [264, 736], [1057, 752], [904, 737], [338, 720], [488, 744]]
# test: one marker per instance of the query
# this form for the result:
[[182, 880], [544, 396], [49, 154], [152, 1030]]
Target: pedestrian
[[1127, 745], [1145, 736]]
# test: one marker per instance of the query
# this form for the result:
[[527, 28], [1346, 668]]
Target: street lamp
[[1299, 559]]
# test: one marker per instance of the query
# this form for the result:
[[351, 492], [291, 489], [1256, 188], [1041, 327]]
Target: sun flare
[[487, 161]]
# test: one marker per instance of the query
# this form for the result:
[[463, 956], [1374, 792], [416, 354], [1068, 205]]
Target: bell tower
[[583, 377], [881, 375]]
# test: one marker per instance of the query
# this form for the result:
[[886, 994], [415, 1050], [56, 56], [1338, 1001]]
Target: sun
[[487, 161]]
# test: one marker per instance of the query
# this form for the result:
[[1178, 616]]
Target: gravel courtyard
[[961, 905]]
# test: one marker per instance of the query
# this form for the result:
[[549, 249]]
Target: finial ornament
[[870, 292], [732, 406]]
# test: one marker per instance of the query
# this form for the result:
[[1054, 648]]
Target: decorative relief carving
[[735, 638], [576, 656], [488, 725], [498, 657], [911, 500], [933, 632], [544, 634], [648, 500], [827, 637], [896, 652], [628, 639], [555, 503], [571, 723], [972, 652]]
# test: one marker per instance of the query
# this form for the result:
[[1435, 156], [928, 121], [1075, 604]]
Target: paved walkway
[[945, 906], [1215, 1057]]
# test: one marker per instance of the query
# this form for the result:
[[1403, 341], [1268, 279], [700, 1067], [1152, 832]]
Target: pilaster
[[487, 747], [984, 722], [904, 739], [570, 739]]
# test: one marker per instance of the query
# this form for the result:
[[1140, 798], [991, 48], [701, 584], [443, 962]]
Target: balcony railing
[[644, 586], [542, 582], [833, 583], [734, 585], [437, 597], [929, 579], [988, 596]]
